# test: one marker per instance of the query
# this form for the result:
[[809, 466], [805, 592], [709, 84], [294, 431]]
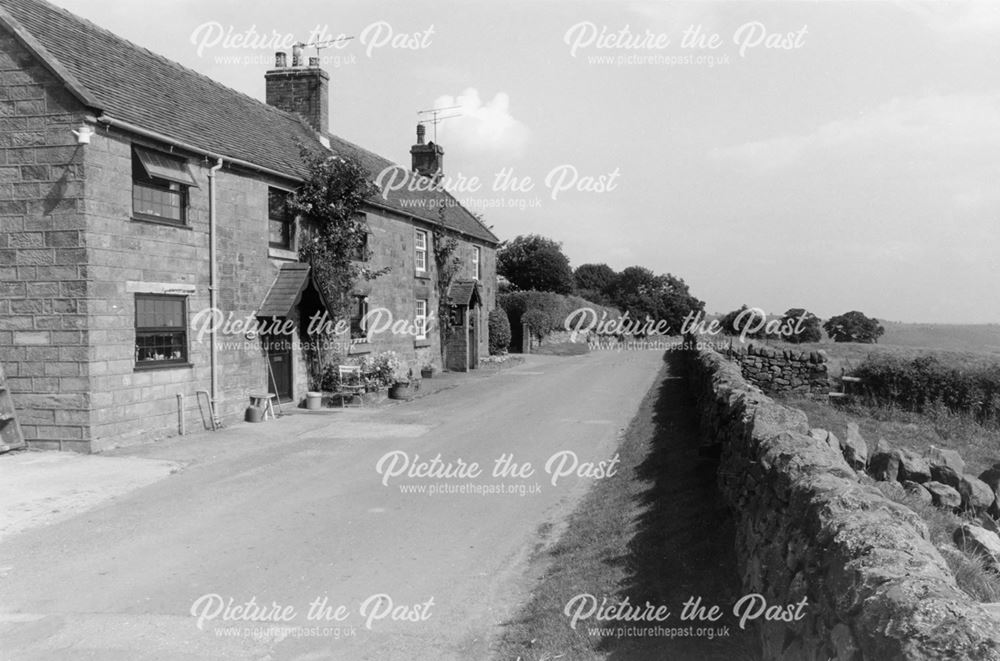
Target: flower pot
[[400, 391], [314, 401], [427, 372]]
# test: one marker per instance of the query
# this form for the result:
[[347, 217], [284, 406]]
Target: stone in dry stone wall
[[918, 491], [884, 463], [855, 448], [876, 587], [976, 494], [980, 541], [944, 495], [913, 467]]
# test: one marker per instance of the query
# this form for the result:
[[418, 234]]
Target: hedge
[[549, 310], [920, 384]]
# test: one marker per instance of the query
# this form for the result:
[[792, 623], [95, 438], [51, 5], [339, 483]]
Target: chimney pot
[[280, 60], [314, 61], [300, 89], [427, 159]]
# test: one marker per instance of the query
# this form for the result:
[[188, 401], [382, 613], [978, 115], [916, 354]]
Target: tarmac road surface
[[285, 540]]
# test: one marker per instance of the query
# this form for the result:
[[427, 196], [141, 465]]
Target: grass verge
[[656, 531]]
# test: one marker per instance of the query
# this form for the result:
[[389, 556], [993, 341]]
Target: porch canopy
[[464, 292], [286, 291]]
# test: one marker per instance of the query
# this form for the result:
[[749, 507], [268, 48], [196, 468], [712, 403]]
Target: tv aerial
[[436, 117], [319, 45]]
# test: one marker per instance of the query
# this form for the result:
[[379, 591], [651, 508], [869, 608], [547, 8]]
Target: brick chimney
[[427, 159], [300, 88]]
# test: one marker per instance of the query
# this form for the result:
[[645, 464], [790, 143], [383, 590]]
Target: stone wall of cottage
[[72, 260], [777, 370], [874, 586], [44, 278], [393, 245], [130, 256]]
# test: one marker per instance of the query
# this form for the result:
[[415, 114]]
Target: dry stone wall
[[807, 527], [777, 370]]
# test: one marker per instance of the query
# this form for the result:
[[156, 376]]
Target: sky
[[832, 156]]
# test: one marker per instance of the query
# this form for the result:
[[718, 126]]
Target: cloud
[[481, 127], [956, 18], [924, 133]]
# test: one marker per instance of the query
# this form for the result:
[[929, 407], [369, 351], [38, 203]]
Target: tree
[[734, 321], [535, 262], [593, 282], [803, 326], [853, 326], [746, 322], [662, 298]]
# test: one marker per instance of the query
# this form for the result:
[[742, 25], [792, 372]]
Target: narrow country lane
[[303, 515]]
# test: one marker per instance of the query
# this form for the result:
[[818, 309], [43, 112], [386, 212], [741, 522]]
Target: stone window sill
[[359, 348], [146, 367], [282, 253], [154, 220]]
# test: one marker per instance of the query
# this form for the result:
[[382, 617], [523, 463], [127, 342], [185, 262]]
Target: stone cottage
[[138, 196]]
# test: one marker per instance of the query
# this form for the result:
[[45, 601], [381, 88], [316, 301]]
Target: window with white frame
[[421, 319], [477, 272], [420, 250]]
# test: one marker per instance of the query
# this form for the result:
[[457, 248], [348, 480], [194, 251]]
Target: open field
[[978, 338], [962, 346]]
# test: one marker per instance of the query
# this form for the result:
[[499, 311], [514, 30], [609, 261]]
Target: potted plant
[[402, 387], [427, 371]]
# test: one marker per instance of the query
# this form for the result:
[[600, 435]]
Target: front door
[[279, 362]]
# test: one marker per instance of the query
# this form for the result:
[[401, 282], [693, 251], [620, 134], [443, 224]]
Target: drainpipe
[[213, 293]]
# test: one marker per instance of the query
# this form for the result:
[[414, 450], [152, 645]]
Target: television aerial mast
[[436, 117]]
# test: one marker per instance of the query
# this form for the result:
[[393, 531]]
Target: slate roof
[[463, 292], [135, 85], [286, 290]]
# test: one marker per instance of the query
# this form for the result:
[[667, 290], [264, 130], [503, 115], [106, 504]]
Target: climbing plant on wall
[[335, 234], [448, 264]]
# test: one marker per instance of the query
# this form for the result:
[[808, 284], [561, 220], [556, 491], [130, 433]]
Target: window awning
[[286, 291], [163, 166], [464, 292]]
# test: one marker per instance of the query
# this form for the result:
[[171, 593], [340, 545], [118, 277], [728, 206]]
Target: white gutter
[[212, 280], [153, 135]]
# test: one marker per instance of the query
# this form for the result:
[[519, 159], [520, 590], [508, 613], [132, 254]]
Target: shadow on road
[[683, 544]]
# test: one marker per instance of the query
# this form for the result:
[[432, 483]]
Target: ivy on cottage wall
[[448, 265], [335, 234]]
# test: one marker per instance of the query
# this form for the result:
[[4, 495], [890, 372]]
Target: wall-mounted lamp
[[83, 135]]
